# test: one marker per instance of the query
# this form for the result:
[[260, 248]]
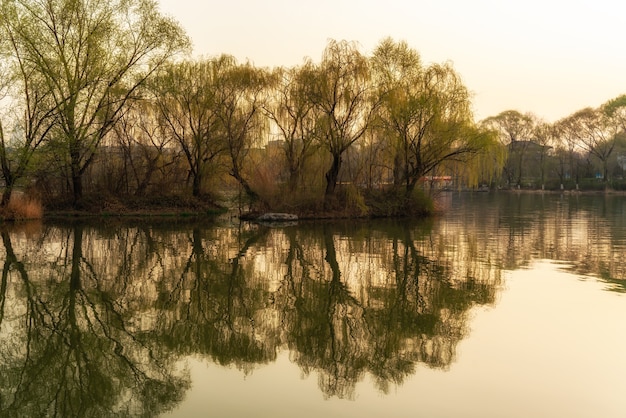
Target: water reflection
[[66, 342], [378, 304], [345, 300], [586, 231], [93, 320]]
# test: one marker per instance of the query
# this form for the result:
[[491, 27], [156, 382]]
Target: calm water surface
[[508, 305]]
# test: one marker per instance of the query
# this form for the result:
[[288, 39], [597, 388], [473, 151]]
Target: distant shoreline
[[569, 191]]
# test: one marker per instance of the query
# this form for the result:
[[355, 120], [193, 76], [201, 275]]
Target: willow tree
[[343, 94], [92, 55], [292, 112], [398, 69], [615, 111], [186, 96], [145, 141], [240, 95], [568, 150], [28, 130], [426, 111]]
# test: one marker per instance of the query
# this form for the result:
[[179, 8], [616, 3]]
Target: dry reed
[[22, 207]]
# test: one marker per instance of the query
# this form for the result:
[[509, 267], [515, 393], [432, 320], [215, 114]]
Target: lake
[[505, 305]]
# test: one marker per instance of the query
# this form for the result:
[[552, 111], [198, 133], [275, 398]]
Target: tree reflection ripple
[[95, 321]]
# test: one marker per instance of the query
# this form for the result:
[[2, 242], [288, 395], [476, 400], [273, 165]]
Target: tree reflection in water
[[209, 305], [94, 321], [66, 343], [381, 306]]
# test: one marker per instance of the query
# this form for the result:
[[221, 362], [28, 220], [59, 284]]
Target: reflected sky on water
[[505, 305], [552, 361]]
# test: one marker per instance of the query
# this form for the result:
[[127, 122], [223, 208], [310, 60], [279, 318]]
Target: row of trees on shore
[[586, 149], [101, 97]]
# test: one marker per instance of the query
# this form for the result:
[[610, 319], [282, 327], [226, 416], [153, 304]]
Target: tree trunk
[[6, 194], [196, 185], [77, 180], [410, 185], [294, 178], [398, 169], [520, 169], [142, 186], [333, 175], [244, 183], [77, 187]]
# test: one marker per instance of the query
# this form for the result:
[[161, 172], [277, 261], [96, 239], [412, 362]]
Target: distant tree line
[[583, 151]]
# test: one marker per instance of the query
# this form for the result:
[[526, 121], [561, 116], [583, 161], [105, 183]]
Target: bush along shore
[[342, 205], [23, 208]]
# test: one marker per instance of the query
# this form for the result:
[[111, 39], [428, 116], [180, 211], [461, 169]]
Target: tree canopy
[[90, 57], [104, 98]]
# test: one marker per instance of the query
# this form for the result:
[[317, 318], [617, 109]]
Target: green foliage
[[92, 56], [425, 111], [344, 99], [615, 107], [292, 113], [109, 107], [186, 96]]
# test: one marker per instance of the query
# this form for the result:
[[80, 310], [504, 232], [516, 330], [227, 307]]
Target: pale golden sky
[[548, 57]]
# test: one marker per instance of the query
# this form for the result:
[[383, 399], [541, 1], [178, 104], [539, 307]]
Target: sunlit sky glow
[[547, 57]]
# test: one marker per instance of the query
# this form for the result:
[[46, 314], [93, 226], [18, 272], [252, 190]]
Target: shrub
[[23, 207], [395, 202]]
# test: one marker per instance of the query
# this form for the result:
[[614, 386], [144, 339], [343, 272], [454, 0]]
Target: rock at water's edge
[[277, 217]]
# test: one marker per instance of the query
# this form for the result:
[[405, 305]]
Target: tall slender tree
[[345, 98], [516, 131], [240, 97], [145, 142], [32, 114], [569, 150], [293, 114], [595, 133], [186, 95], [544, 136]]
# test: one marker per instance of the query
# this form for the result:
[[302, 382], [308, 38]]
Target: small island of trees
[[103, 109]]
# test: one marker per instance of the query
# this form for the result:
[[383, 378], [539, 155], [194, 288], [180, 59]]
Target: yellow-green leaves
[[425, 112], [92, 56]]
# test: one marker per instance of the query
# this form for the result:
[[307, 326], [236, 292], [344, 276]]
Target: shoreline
[[193, 210]]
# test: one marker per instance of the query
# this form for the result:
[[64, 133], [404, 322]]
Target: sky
[[551, 58]]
